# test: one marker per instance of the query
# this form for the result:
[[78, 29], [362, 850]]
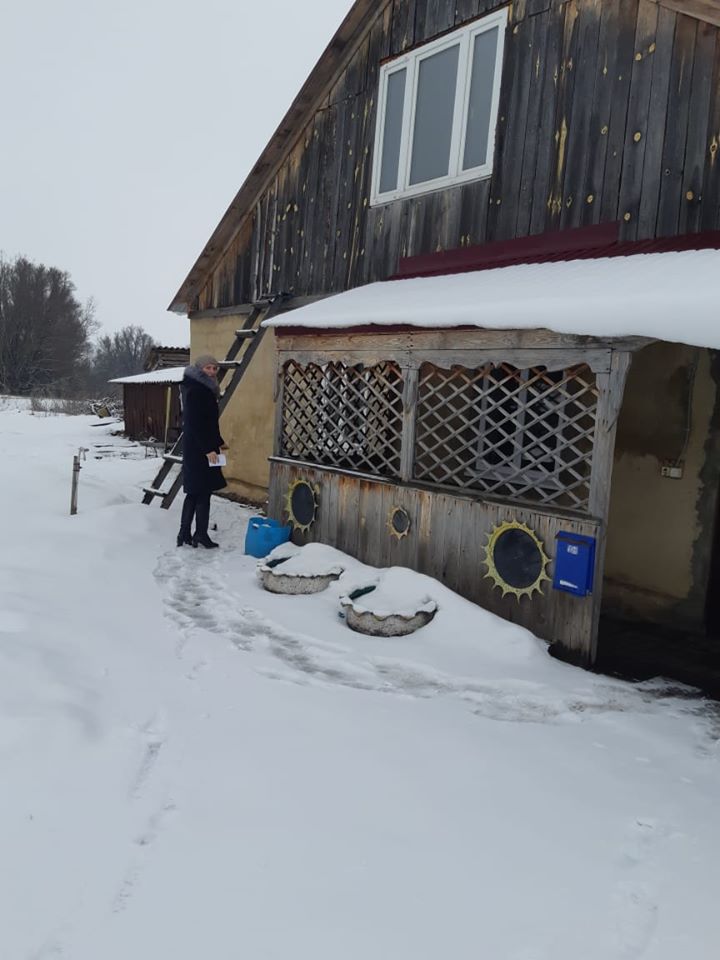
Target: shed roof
[[167, 375], [664, 296]]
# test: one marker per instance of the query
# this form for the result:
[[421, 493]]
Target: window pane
[[435, 104], [392, 131], [481, 91]]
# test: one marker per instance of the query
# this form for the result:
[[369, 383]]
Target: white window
[[437, 110]]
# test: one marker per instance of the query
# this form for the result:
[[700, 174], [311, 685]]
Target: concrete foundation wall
[[247, 423], [661, 530]]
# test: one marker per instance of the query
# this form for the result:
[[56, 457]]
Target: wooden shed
[[151, 404]]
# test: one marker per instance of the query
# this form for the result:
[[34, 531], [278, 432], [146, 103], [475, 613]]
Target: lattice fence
[[344, 416], [526, 434]]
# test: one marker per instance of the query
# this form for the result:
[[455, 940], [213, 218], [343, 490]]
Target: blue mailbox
[[574, 563]]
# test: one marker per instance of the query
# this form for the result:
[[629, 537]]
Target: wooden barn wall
[[446, 541], [145, 406], [609, 110]]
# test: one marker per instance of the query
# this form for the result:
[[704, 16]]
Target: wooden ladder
[[249, 337]]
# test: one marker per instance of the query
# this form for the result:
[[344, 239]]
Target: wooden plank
[[641, 82], [702, 95], [348, 514], [405, 552], [600, 112], [474, 205], [325, 253], [511, 131], [471, 520], [404, 343], [546, 129], [425, 532], [403, 26], [706, 10], [676, 125], [329, 510], [565, 88], [310, 220], [347, 193], [465, 10], [626, 26], [711, 180], [385, 540], [526, 185], [408, 430], [654, 138], [584, 60], [367, 107]]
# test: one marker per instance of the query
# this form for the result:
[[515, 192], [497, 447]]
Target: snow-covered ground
[[194, 768]]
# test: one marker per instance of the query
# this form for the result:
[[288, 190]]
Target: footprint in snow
[[635, 907]]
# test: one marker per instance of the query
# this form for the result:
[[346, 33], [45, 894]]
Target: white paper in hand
[[221, 461]]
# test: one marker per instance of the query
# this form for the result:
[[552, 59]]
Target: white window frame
[[410, 62]]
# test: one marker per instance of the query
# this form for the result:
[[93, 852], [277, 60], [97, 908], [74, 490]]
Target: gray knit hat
[[204, 360]]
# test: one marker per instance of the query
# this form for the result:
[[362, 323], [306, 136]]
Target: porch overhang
[[661, 296]]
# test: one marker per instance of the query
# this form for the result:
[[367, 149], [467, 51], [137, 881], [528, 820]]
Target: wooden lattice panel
[[344, 416], [524, 434]]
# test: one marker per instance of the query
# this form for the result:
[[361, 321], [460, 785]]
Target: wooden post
[[74, 489], [168, 403], [407, 450], [278, 397], [611, 389]]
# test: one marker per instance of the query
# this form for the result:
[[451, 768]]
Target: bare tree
[[44, 329], [121, 354]]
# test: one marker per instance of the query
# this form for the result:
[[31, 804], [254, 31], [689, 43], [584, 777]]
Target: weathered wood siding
[[145, 406], [446, 541], [609, 110]]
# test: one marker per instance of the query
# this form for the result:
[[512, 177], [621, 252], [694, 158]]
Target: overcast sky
[[127, 128]]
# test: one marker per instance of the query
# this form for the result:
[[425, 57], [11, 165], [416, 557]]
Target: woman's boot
[[202, 520], [184, 537]]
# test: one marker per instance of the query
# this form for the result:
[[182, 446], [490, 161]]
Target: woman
[[201, 445]]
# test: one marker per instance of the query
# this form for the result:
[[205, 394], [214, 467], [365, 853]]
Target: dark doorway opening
[[639, 650]]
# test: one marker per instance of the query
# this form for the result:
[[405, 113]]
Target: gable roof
[[349, 35]]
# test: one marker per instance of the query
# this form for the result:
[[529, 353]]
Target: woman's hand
[[212, 457]]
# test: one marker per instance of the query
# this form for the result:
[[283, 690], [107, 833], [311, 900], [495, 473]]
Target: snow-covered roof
[[168, 375], [664, 296]]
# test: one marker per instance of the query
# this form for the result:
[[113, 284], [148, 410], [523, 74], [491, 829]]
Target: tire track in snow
[[154, 736]]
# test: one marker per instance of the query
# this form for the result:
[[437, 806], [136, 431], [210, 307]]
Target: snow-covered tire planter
[[362, 620], [294, 584]]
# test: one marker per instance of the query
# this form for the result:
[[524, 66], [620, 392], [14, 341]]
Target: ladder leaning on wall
[[244, 345]]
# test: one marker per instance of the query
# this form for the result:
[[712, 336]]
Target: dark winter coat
[[201, 433]]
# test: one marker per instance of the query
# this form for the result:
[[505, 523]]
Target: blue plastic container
[[264, 534]]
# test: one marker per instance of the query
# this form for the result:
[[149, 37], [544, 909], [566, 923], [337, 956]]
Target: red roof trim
[[583, 243]]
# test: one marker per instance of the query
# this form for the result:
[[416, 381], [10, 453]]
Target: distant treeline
[[46, 337]]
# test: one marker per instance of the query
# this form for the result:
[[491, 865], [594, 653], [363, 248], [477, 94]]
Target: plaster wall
[[247, 423], [661, 530]]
